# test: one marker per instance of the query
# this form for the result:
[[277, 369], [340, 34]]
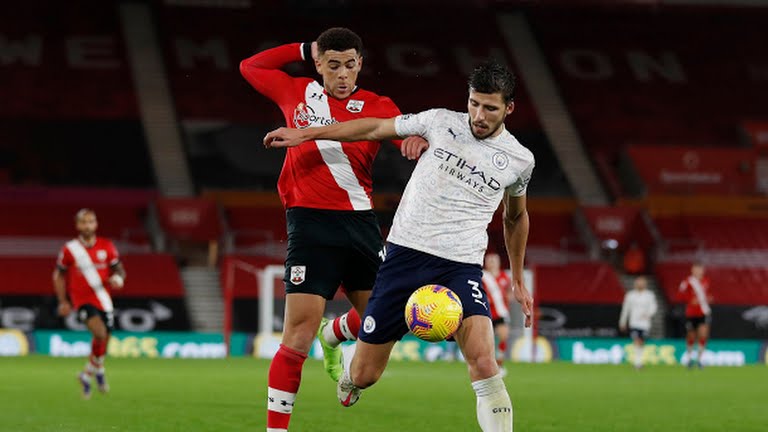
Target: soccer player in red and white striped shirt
[[695, 292], [325, 186], [87, 266]]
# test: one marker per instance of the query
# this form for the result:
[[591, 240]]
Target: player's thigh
[[98, 322], [466, 281], [315, 258], [313, 269], [364, 252], [691, 326], [703, 330], [359, 300], [401, 273], [303, 313]]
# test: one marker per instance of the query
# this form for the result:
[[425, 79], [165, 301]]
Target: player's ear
[[360, 63], [319, 65], [510, 107]]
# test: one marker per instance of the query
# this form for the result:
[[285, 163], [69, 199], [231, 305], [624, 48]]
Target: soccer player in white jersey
[[439, 232], [86, 268], [636, 312]]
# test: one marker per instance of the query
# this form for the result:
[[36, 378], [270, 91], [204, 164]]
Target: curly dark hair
[[339, 39], [493, 77]]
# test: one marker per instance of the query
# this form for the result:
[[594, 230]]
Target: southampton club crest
[[355, 106], [298, 274], [101, 255], [302, 116]]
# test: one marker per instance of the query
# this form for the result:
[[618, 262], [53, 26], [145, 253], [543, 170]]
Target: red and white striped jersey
[[87, 271], [320, 174], [498, 289], [696, 295]]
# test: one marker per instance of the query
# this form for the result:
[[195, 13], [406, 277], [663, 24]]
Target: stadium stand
[[635, 78]]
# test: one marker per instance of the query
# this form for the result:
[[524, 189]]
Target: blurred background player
[[439, 235], [695, 293], [325, 186], [636, 312], [497, 285], [85, 268]]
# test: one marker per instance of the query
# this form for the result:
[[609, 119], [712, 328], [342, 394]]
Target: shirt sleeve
[[520, 186], [415, 124], [654, 306], [65, 260], [263, 72], [113, 255]]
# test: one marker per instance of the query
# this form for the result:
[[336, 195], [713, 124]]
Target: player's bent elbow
[[244, 68]]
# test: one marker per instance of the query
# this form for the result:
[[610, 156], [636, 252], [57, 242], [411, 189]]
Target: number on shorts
[[477, 293]]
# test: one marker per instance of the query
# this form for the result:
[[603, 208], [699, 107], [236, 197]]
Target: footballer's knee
[[483, 366], [300, 337]]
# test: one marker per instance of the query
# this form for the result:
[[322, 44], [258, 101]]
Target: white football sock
[[330, 336], [638, 356], [494, 408]]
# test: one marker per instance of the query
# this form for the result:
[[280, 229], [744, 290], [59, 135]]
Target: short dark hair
[[82, 212], [493, 77], [339, 39]]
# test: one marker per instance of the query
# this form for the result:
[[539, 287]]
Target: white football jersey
[[457, 185], [638, 309]]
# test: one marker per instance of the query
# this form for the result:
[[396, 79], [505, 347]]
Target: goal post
[[264, 279]]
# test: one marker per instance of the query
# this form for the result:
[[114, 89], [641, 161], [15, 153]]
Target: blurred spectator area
[[633, 75]]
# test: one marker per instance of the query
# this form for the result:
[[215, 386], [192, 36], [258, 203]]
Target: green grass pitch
[[41, 394]]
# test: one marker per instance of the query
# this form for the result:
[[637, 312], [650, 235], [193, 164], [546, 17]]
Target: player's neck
[[87, 241]]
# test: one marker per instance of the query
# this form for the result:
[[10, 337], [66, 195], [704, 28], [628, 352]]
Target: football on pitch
[[433, 313]]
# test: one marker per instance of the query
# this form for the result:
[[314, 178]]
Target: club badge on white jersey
[[298, 274]]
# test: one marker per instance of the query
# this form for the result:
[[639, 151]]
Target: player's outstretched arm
[[516, 226], [60, 288], [365, 129]]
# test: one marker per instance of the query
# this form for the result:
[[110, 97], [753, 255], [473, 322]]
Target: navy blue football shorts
[[405, 270]]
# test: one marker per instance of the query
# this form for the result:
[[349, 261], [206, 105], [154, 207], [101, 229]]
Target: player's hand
[[622, 328], [116, 281], [64, 308], [413, 146], [283, 137], [526, 301]]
